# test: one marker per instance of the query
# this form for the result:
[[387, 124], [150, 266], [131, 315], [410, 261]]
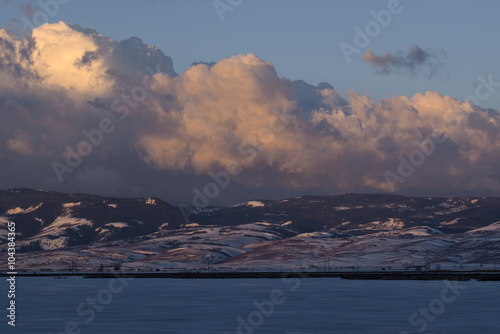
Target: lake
[[288, 306]]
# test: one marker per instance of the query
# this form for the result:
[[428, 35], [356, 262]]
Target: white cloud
[[60, 58], [238, 109]]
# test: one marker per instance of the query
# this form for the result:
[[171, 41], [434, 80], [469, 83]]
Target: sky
[[408, 80], [301, 38]]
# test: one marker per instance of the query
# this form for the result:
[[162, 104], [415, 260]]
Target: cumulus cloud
[[67, 59], [170, 131], [15, 57], [310, 98], [20, 143], [216, 109], [415, 61]]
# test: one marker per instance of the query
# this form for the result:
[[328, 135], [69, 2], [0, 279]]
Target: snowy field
[[287, 306]]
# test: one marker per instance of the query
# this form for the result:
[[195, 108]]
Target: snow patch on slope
[[451, 222], [18, 210], [62, 223], [492, 227], [390, 224], [417, 231], [71, 205], [150, 201], [342, 208], [117, 225], [259, 226], [253, 204]]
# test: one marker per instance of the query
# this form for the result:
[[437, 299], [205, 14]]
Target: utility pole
[[212, 261], [326, 265]]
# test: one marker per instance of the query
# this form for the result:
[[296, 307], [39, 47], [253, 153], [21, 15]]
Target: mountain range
[[58, 231]]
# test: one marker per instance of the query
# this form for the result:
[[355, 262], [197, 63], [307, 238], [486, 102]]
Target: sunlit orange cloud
[[65, 79]]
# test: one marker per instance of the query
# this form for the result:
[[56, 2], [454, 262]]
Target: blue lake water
[[288, 306]]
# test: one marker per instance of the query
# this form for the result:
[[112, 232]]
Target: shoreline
[[364, 275]]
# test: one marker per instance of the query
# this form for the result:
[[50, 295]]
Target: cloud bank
[[415, 61], [170, 131]]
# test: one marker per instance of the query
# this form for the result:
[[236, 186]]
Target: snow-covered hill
[[73, 231]]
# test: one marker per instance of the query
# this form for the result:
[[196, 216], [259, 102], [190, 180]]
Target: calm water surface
[[288, 306]]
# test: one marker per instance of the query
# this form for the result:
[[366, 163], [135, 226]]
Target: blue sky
[[191, 127], [301, 38]]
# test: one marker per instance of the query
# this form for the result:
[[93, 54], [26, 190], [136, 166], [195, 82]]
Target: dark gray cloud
[[13, 57], [180, 129], [309, 97], [138, 52], [27, 9], [209, 64], [415, 61]]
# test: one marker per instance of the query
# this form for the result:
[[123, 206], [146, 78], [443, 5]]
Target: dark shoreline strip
[[397, 275]]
